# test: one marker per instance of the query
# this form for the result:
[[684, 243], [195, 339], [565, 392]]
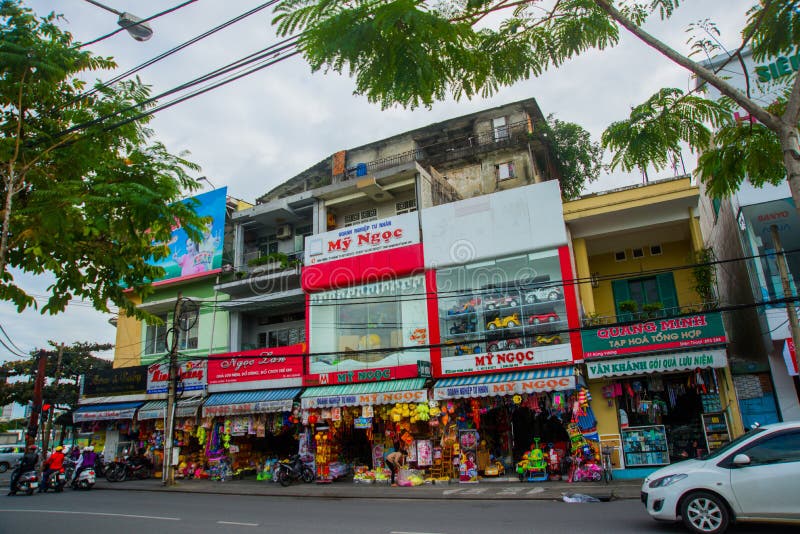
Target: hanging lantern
[[312, 419], [517, 399]]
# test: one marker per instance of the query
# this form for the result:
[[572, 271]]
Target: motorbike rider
[[26, 463], [87, 460], [53, 464]]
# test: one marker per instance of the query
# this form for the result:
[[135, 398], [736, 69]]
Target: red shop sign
[[273, 363]]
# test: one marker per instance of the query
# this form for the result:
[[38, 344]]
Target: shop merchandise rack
[[645, 445], [506, 320], [715, 426]]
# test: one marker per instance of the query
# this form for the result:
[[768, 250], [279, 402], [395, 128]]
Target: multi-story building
[[652, 341], [739, 230]]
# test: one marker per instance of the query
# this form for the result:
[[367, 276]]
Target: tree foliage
[[77, 359], [87, 194], [413, 53], [579, 160]]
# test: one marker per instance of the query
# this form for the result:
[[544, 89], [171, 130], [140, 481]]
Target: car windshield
[[732, 445]]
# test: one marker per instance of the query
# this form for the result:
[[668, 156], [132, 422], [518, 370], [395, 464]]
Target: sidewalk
[[486, 490]]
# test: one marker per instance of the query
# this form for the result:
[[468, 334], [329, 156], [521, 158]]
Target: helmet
[[33, 448], [90, 448], [59, 448]]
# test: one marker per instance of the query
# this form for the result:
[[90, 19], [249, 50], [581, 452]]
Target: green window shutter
[[667, 293], [621, 292]]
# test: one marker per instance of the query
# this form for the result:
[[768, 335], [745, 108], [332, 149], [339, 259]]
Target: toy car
[[496, 302], [494, 470], [509, 321], [547, 339], [466, 307], [462, 327], [466, 349], [541, 294], [547, 317], [504, 344]]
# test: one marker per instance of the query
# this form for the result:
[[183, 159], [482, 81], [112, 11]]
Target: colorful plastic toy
[[466, 307], [504, 344], [494, 470], [548, 317], [544, 294], [554, 339], [463, 326], [496, 302], [533, 466], [508, 321]]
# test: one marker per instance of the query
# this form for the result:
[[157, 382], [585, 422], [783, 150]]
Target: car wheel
[[3, 467], [492, 348], [705, 513], [513, 304], [512, 345], [511, 324], [491, 326], [536, 320], [551, 319], [553, 295]]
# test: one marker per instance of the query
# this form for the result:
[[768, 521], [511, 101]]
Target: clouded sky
[[257, 132]]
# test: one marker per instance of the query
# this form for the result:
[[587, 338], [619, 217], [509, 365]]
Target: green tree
[[579, 160], [414, 52], [77, 359], [87, 194]]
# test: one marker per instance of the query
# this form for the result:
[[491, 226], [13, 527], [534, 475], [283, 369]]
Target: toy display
[[544, 294], [464, 326], [508, 321], [504, 344], [465, 307], [495, 469], [533, 467], [500, 301], [547, 339]]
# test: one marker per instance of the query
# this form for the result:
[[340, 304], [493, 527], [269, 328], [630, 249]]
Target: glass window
[[502, 304], [359, 327], [500, 126], [361, 217], [187, 338], [406, 206], [504, 171], [644, 291], [155, 337], [775, 450]]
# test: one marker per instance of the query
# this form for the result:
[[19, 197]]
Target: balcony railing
[[643, 316], [438, 153], [292, 262]]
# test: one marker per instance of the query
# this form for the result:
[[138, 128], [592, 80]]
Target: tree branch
[[765, 117], [498, 7]]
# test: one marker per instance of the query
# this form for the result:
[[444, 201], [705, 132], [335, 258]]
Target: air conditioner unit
[[284, 231]]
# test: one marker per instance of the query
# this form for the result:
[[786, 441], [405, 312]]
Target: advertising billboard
[[121, 381], [188, 259], [266, 368], [191, 376]]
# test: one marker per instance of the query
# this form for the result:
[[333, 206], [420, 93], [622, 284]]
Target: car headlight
[[667, 480]]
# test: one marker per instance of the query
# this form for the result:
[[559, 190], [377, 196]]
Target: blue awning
[[366, 393], [499, 384], [105, 412], [158, 409], [246, 402]]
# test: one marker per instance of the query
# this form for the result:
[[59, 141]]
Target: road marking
[[236, 523], [535, 490], [105, 514], [476, 491], [452, 491], [510, 491], [404, 532]]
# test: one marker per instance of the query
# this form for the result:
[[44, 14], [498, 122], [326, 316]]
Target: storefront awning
[[246, 402], [494, 385], [158, 409], [657, 363], [366, 393], [105, 412]]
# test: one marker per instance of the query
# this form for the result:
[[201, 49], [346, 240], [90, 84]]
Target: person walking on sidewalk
[[395, 460]]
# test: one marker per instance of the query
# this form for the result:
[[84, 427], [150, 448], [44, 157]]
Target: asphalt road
[[136, 512]]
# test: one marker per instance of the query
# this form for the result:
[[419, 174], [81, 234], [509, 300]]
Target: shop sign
[[378, 374], [103, 415], [121, 381], [790, 357], [498, 389], [360, 399], [248, 408], [659, 363], [362, 422], [424, 369], [274, 363], [367, 238], [410, 285], [650, 336], [191, 376], [507, 360]]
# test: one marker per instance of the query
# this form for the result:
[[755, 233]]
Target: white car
[[756, 477]]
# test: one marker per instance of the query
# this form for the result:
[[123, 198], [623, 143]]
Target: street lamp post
[[132, 24]]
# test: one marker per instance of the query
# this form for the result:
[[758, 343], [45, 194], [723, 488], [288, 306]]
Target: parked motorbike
[[84, 480], [293, 469], [27, 483], [56, 482], [129, 468]]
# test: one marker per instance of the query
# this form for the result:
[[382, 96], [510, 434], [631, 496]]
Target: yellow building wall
[[673, 254], [128, 349]]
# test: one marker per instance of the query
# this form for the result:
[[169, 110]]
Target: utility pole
[[49, 425], [791, 311], [169, 472], [33, 422]]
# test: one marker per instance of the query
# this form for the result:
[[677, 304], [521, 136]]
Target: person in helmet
[[87, 460], [26, 463], [53, 464]]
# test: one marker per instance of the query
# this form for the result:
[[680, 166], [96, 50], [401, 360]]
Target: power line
[[10, 340], [174, 50], [148, 19]]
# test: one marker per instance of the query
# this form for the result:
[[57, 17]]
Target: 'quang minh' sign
[[650, 336]]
